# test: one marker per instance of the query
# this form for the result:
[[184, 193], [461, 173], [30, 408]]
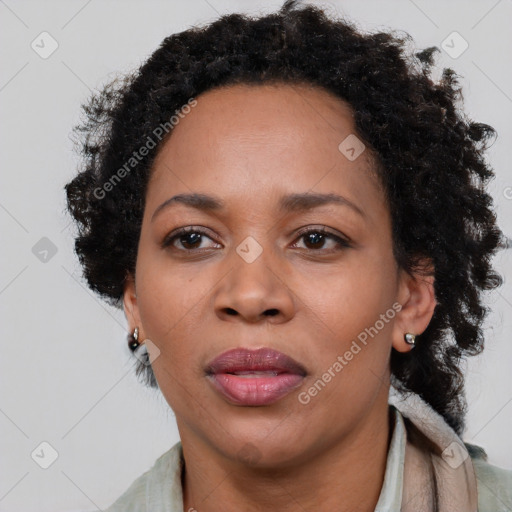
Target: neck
[[347, 476]]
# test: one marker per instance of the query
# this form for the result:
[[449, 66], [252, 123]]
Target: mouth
[[254, 377]]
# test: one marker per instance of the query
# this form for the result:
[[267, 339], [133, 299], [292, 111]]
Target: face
[[271, 263]]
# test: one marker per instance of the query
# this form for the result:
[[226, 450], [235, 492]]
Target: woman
[[294, 217]]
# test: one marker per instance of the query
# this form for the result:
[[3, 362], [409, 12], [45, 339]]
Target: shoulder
[[133, 499], [494, 484], [158, 489]]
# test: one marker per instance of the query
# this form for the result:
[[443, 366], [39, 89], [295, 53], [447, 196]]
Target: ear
[[417, 297], [131, 309]]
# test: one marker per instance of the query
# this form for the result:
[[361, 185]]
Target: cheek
[[172, 310], [352, 310], [351, 348], [165, 292], [355, 293]]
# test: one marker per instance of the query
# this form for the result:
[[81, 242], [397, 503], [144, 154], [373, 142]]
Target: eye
[[190, 238], [315, 239]]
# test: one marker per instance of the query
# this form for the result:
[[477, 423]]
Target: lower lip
[[255, 390]]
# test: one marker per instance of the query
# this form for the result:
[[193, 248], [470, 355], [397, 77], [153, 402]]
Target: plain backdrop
[[66, 374]]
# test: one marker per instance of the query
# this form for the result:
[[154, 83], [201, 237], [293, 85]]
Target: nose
[[254, 292]]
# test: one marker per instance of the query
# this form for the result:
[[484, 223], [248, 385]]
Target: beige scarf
[[438, 471]]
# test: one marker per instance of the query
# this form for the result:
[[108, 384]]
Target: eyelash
[[341, 243]]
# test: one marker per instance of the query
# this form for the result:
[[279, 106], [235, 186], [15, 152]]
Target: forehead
[[246, 140]]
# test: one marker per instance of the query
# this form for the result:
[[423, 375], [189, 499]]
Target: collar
[[390, 498]]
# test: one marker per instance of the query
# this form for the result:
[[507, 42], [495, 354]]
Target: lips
[[254, 377]]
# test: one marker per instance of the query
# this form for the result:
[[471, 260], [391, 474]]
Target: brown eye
[[316, 240], [190, 239]]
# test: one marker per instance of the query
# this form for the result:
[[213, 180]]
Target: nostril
[[271, 312], [230, 311]]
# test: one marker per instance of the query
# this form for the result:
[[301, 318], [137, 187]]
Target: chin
[[263, 445]]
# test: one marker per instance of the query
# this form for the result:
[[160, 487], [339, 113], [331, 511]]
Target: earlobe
[[418, 295]]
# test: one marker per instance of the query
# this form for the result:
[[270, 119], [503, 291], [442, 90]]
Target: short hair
[[429, 160]]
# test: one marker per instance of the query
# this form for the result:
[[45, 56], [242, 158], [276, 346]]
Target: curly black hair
[[429, 158]]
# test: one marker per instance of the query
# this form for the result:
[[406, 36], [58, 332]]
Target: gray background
[[66, 373]]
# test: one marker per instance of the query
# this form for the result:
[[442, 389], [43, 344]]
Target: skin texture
[[248, 146]]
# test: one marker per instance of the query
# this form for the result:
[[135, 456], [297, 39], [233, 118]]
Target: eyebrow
[[289, 203]]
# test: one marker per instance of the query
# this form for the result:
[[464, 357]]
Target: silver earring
[[133, 339], [410, 339]]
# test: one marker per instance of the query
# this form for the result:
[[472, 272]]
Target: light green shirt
[[159, 489]]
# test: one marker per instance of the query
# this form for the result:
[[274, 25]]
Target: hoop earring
[[410, 339], [133, 340]]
